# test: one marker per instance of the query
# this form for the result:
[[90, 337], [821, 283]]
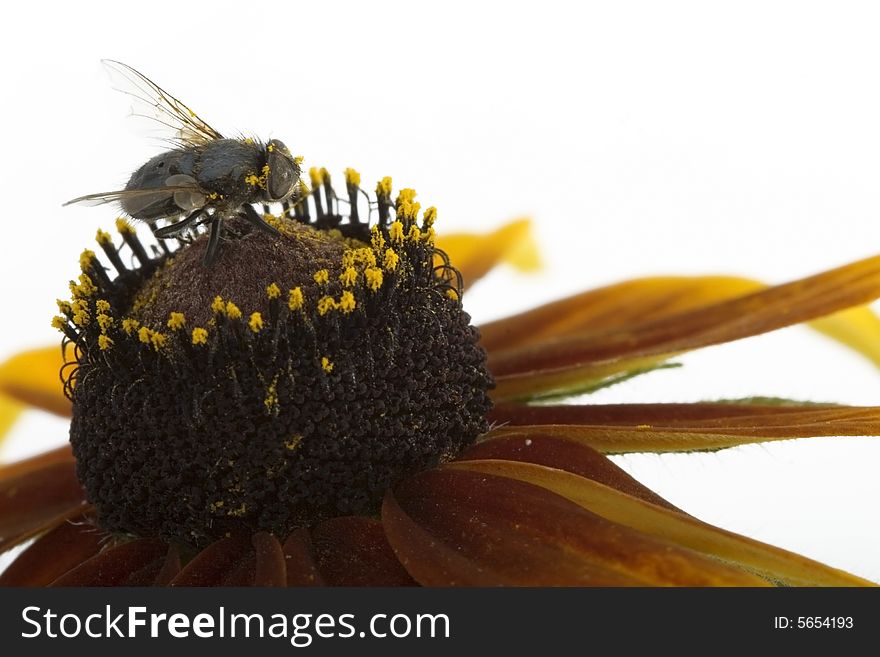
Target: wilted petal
[[223, 562], [615, 429], [353, 551], [300, 560], [33, 377], [135, 563], [54, 553], [523, 534], [270, 563], [569, 455], [475, 255], [34, 500], [675, 527], [649, 299], [588, 357]]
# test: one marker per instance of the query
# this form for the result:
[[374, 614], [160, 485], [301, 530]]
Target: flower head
[[293, 380], [315, 408]]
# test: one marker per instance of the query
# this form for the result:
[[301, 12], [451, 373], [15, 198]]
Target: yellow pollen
[[270, 401], [232, 311], [124, 227], [64, 306], [326, 365], [81, 318], [429, 235], [347, 302], [429, 217], [104, 342], [352, 178], [130, 325], [377, 239], [158, 339], [391, 260], [322, 276], [295, 300], [85, 259], [144, 335], [273, 291], [349, 276], [176, 321], [296, 439], [217, 305], [199, 336], [326, 304], [395, 232], [102, 237], [316, 176], [270, 147], [59, 322], [102, 306], [414, 233], [373, 276], [256, 322], [384, 187], [406, 195], [104, 321]]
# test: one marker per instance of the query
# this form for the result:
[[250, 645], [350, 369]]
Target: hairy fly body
[[206, 178]]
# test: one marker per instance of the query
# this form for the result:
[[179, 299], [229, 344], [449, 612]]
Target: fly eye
[[283, 171]]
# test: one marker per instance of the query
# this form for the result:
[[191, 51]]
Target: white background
[[643, 138]]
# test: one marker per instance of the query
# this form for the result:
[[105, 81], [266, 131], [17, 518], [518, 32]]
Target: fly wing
[[152, 102], [135, 201]]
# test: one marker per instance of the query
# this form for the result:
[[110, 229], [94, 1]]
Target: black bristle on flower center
[[294, 380]]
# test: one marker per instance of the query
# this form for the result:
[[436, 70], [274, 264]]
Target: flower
[[316, 409]]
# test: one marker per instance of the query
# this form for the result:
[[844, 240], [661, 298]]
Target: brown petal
[[612, 307], [37, 499], [687, 427], [53, 554], [353, 551], [670, 525], [223, 560], [555, 365], [59, 455], [568, 455], [270, 562], [135, 563], [33, 377], [299, 558], [526, 535]]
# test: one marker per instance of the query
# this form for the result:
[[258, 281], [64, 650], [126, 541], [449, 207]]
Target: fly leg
[[256, 220], [175, 229], [216, 227]]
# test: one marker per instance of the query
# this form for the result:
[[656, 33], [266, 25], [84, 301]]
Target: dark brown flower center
[[294, 380]]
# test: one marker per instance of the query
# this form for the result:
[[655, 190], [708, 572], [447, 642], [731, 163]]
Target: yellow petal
[[9, 412], [474, 255], [33, 377], [616, 338], [676, 528]]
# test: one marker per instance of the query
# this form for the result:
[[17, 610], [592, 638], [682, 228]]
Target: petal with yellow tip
[[455, 527], [10, 409], [675, 527], [585, 357], [32, 377], [660, 428], [474, 255]]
